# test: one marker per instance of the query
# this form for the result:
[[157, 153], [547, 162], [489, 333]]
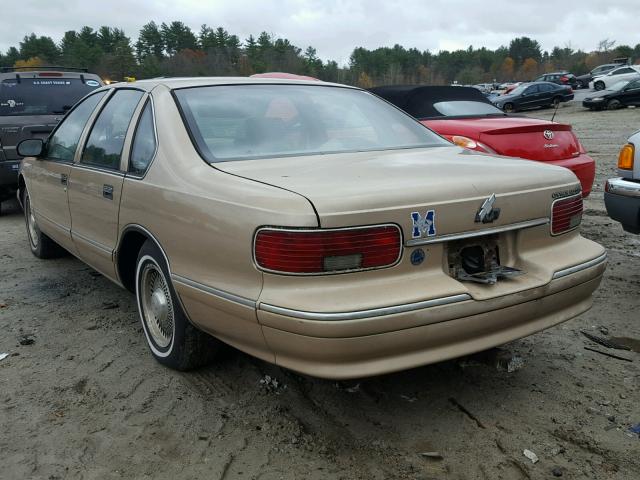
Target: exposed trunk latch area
[[478, 262]]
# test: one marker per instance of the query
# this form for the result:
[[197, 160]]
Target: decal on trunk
[[424, 226]]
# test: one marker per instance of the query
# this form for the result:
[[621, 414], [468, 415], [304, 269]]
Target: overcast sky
[[335, 27]]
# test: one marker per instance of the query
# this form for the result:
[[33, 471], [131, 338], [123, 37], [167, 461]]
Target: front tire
[[41, 246], [614, 104], [172, 339], [599, 85], [509, 108]]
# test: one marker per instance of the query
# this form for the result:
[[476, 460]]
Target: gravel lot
[[82, 398]]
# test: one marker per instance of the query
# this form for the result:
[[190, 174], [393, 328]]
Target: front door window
[[63, 143]]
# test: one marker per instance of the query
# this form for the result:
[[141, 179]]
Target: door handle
[[107, 191], [64, 179]]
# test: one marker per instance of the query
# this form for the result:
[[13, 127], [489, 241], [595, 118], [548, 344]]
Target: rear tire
[[599, 85], [172, 339], [555, 102], [41, 245]]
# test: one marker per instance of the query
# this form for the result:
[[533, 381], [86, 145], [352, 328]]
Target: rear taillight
[[50, 74], [327, 251], [566, 214], [465, 142]]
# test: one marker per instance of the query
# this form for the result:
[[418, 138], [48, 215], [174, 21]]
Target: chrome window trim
[[318, 229], [478, 233], [551, 214], [361, 314], [580, 267], [105, 171], [213, 291]]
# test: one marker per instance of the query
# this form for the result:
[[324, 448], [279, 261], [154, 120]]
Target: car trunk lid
[[368, 188], [531, 139]]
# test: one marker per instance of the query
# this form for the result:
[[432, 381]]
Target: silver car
[[622, 194]]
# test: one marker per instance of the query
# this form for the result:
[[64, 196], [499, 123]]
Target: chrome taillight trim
[[569, 197], [324, 230]]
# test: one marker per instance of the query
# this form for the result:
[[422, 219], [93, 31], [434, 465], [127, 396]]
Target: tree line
[[174, 49]]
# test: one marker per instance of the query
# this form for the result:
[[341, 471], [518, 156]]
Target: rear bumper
[[583, 166], [344, 349], [622, 199]]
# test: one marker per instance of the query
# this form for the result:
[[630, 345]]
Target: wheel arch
[[131, 240], [22, 187]]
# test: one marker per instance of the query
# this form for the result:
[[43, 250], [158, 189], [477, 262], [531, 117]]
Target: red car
[[464, 116]]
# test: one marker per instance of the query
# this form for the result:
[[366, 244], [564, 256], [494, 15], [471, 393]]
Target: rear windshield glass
[[257, 121], [466, 109], [42, 96]]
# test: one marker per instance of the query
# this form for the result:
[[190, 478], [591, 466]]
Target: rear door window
[[621, 71], [63, 143], [42, 96], [106, 140], [144, 143]]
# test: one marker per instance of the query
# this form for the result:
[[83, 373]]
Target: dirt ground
[[84, 399]]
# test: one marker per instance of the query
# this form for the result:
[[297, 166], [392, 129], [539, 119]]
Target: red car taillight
[[566, 214], [327, 251]]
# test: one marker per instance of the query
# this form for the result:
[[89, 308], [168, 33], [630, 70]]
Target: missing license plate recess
[[478, 261]]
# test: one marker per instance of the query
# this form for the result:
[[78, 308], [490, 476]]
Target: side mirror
[[31, 147]]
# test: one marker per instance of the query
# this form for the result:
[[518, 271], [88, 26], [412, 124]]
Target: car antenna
[[555, 111]]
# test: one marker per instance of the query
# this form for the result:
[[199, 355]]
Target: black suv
[[32, 102], [561, 78]]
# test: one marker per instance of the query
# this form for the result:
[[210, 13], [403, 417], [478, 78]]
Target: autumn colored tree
[[529, 69], [30, 62]]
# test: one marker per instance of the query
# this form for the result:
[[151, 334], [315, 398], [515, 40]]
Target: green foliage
[[42, 47], [174, 49]]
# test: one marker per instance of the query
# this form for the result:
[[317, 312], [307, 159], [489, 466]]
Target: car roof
[[46, 73], [174, 83], [418, 100]]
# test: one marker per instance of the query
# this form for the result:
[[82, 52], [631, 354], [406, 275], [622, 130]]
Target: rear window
[[260, 121], [42, 96], [466, 108]]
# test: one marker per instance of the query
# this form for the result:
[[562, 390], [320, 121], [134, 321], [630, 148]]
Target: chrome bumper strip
[[478, 233], [214, 291], [626, 188], [580, 267], [359, 314]]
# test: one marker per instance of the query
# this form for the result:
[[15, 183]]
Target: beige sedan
[[309, 224]]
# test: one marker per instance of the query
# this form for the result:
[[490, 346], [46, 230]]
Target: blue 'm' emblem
[[424, 226]]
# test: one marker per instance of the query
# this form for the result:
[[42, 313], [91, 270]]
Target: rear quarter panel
[[204, 220]]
